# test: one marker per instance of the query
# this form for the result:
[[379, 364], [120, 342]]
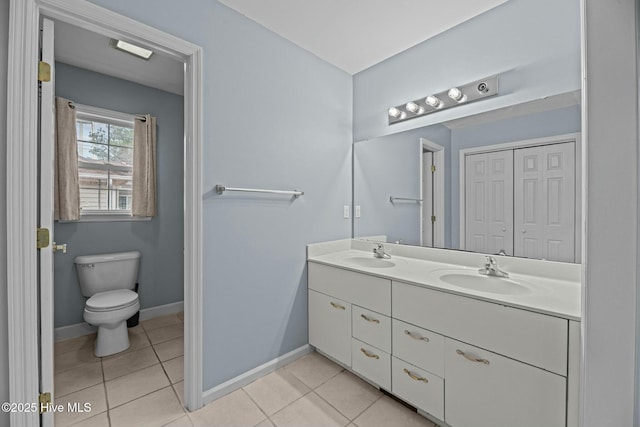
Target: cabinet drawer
[[371, 292], [330, 326], [422, 348], [534, 338], [485, 389], [418, 387], [372, 328], [372, 363]]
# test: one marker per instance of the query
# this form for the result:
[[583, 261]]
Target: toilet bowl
[[108, 280]]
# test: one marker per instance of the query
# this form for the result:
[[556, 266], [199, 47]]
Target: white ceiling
[[86, 49], [356, 34]]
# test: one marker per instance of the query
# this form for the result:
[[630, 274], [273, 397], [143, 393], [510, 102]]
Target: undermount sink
[[370, 262], [469, 279]]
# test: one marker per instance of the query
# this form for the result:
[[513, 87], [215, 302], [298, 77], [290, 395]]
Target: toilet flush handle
[[56, 247]]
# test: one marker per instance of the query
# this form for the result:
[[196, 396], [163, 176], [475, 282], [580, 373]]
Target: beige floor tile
[[153, 410], [181, 316], [314, 369], [387, 412], [129, 362], [166, 333], [233, 410], [180, 422], [137, 340], [174, 369], [74, 359], [348, 394], [170, 349], [93, 395], [265, 423], [311, 411], [84, 341], [276, 390], [101, 420], [132, 386], [159, 322], [77, 379], [179, 388]]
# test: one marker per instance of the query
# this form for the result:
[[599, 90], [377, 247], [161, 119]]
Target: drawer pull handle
[[369, 319], [368, 354], [471, 358], [416, 337], [414, 376], [338, 306]]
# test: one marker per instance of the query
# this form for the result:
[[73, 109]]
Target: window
[[105, 161]]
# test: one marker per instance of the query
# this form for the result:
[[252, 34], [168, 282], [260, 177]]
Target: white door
[[46, 142], [545, 202], [427, 199], [489, 202]]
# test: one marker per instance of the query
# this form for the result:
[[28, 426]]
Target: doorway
[[432, 173], [26, 355]]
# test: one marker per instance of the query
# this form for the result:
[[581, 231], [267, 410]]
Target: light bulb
[[412, 107], [455, 94], [433, 101], [394, 112]]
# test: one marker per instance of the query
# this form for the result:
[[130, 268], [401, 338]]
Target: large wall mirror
[[505, 181]]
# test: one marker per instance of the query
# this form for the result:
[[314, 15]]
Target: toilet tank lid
[[117, 256]]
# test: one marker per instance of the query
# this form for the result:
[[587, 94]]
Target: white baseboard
[[252, 375], [79, 329]]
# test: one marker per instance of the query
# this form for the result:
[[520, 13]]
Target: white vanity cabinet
[[458, 359]]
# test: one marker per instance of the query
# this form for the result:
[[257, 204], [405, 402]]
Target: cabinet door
[[423, 348], [484, 389], [372, 363], [372, 328], [420, 388], [330, 326]]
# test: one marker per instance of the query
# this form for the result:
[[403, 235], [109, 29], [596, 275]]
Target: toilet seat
[[112, 300]]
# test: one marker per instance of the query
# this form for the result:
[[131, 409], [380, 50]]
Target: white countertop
[[556, 296]]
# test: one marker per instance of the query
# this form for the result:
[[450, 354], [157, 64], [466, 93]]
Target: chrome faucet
[[379, 252], [491, 268]]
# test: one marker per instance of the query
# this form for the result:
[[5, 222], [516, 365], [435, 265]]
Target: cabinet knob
[[338, 306], [369, 319], [472, 358], [415, 336], [369, 354], [414, 376]]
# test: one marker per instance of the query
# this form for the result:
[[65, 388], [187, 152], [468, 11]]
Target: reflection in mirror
[[501, 181]]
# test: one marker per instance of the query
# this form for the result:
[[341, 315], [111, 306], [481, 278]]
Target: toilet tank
[[107, 272]]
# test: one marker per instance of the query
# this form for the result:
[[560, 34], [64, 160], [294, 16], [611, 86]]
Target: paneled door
[[544, 209], [489, 202]]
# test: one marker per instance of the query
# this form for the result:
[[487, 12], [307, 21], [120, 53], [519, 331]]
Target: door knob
[[524, 231], [56, 247]]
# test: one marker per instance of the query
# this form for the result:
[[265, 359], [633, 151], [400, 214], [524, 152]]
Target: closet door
[[489, 202], [545, 202]]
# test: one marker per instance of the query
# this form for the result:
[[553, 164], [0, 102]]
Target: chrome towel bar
[[394, 199], [220, 189]]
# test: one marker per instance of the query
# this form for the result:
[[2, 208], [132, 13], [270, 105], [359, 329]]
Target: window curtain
[[66, 186], [144, 167]]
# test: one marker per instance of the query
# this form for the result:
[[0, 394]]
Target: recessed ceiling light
[[138, 51]]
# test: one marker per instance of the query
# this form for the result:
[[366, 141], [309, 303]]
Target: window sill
[[100, 217]]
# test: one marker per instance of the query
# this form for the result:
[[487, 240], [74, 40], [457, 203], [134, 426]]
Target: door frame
[[22, 194], [557, 139], [438, 190]]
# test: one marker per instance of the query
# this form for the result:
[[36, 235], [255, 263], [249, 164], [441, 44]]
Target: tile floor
[[143, 387]]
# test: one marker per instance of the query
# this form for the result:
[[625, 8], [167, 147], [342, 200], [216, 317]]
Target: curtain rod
[[141, 118]]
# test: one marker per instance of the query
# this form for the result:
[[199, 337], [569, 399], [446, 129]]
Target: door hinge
[[45, 401], [44, 72], [42, 238], [433, 218], [433, 168]]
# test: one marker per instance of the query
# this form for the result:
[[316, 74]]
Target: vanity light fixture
[[132, 49], [452, 97]]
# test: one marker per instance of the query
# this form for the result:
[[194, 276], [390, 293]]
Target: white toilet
[[108, 280]]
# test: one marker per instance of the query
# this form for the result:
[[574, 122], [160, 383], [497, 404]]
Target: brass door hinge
[[433, 168], [42, 238], [45, 401], [44, 72], [433, 218]]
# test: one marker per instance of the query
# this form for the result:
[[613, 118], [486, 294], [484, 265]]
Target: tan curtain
[[144, 167], [66, 187]]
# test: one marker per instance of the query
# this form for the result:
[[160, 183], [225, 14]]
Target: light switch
[[357, 211], [346, 211]]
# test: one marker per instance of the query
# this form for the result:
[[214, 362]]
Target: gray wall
[[4, 360], [533, 45], [275, 116], [160, 239]]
